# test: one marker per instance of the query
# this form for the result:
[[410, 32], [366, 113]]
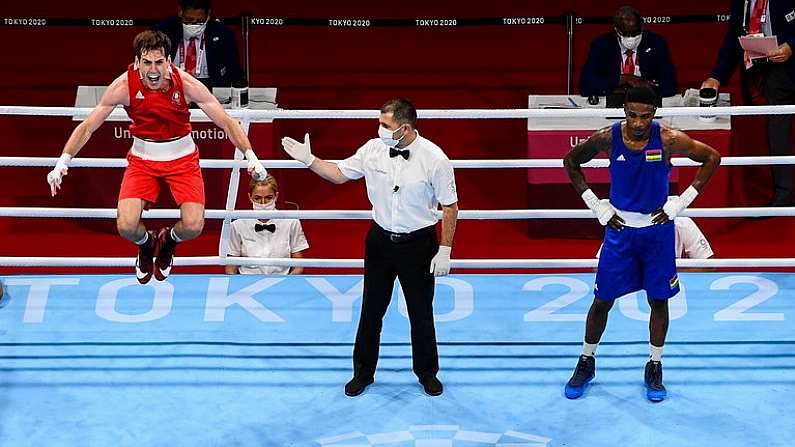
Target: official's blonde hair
[[269, 181]]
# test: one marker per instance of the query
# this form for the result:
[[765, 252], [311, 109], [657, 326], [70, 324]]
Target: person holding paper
[[766, 77]]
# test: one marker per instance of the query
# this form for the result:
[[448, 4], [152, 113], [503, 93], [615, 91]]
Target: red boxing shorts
[[142, 179]]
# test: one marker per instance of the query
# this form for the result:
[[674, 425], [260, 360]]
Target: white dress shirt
[[634, 57], [201, 56], [690, 242], [405, 194], [287, 239]]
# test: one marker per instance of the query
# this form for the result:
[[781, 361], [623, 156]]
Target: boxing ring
[[261, 360]]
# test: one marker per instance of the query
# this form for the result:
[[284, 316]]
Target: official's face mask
[[386, 136], [264, 206], [193, 29], [630, 43]]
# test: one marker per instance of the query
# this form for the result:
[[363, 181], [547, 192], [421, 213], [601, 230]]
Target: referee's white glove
[[299, 151], [255, 168], [440, 264], [676, 204], [602, 209], [55, 177]]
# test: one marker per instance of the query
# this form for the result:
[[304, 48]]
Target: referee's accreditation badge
[[654, 155]]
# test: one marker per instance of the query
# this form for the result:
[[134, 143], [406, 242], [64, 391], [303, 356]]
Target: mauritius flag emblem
[[674, 281], [653, 154]]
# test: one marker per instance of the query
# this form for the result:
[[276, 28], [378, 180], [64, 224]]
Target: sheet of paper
[[758, 46]]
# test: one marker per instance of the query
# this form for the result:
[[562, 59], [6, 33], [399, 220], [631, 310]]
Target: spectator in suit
[[629, 56], [770, 79], [202, 45]]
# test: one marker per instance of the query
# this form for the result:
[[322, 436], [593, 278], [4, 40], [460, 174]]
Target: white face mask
[[386, 136], [264, 206], [193, 30], [630, 43]]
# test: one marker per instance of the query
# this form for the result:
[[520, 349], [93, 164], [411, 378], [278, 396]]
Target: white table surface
[[576, 101]]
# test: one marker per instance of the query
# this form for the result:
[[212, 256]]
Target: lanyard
[[748, 12], [199, 56]]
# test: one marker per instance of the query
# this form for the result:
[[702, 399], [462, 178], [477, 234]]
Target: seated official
[[628, 57], [266, 238], [201, 45]]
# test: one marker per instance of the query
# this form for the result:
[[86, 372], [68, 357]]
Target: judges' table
[[554, 137]]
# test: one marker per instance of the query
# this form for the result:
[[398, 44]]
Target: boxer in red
[[155, 94]]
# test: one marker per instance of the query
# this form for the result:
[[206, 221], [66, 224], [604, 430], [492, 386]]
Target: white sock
[[143, 239], [656, 352], [174, 236], [589, 349]]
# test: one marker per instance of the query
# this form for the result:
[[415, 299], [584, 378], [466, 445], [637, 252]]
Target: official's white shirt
[[689, 240], [287, 239], [624, 58], [423, 182], [201, 56]]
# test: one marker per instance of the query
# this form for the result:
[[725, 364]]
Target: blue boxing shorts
[[638, 259]]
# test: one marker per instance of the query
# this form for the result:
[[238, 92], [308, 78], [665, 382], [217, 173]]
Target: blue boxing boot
[[583, 373], [655, 391]]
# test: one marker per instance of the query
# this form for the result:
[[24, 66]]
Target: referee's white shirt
[[287, 239], [423, 182]]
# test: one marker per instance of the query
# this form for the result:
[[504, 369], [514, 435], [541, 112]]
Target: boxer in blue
[[639, 250]]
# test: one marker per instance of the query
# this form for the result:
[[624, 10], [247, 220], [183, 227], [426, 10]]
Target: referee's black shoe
[[432, 386], [356, 386]]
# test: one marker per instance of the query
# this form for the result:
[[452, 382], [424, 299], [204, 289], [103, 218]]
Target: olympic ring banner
[[361, 22]]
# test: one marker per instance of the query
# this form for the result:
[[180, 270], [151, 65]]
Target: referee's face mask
[[388, 136]]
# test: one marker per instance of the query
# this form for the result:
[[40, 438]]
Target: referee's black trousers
[[409, 261]]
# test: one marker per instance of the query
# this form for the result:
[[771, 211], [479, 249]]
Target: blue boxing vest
[[638, 179]]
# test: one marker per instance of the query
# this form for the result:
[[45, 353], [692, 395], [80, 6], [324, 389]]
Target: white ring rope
[[458, 164], [8, 261], [504, 214], [269, 115]]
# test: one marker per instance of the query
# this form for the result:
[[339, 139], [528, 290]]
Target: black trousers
[[780, 90], [409, 260]]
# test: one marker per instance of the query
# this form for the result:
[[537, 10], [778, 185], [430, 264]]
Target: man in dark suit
[[771, 79], [628, 57], [201, 45]]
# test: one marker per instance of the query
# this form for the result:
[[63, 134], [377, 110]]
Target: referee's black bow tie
[[269, 227], [395, 152]]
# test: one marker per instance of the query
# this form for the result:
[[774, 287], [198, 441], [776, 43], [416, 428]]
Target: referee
[[407, 177]]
